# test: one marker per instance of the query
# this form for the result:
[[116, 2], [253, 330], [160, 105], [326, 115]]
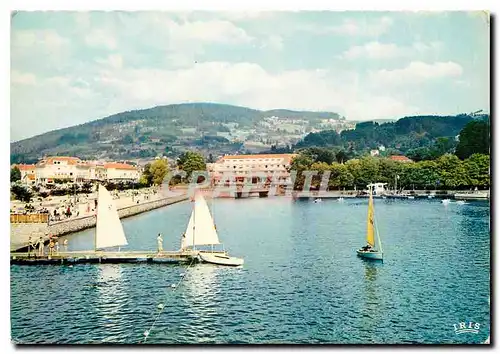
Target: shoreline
[[20, 232]]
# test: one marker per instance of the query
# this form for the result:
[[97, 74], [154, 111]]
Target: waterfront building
[[251, 169], [57, 168], [73, 169], [378, 188], [121, 172]]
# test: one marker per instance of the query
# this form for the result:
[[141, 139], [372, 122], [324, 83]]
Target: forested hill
[[152, 131], [405, 134]]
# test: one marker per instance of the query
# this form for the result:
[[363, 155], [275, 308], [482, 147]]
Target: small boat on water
[[370, 251], [461, 202], [318, 200], [411, 197], [341, 199], [201, 231], [445, 201]]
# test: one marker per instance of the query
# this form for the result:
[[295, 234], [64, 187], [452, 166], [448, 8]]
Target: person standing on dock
[[160, 243], [65, 245], [40, 247], [51, 247], [31, 247]]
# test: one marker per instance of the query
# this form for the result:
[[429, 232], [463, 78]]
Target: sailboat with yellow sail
[[371, 251]]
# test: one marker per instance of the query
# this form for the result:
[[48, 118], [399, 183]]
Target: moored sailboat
[[201, 232], [109, 229], [370, 251]]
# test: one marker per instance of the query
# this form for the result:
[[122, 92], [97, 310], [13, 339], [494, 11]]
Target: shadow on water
[[370, 317]]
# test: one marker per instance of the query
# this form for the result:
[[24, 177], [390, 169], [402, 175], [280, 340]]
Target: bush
[[21, 193], [59, 192]]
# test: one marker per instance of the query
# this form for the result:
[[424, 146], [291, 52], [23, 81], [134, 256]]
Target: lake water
[[301, 283]]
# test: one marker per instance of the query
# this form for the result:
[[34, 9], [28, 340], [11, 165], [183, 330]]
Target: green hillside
[[402, 136], [149, 132]]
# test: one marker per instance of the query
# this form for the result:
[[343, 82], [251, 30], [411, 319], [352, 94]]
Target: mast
[[213, 219], [95, 229], [378, 234], [194, 220]]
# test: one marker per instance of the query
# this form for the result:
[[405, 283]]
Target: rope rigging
[[162, 306]]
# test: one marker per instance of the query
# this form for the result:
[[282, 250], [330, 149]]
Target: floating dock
[[23, 258]]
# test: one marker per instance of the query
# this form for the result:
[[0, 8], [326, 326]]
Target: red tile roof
[[263, 156], [400, 158], [119, 166], [23, 167], [69, 160]]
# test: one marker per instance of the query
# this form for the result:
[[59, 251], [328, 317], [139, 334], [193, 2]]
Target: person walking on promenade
[[40, 247], [56, 244], [160, 243], [65, 245]]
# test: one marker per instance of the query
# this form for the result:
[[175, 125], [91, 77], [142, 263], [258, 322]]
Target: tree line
[[420, 138], [445, 172]]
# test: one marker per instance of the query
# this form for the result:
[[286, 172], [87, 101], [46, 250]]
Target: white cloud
[[101, 38], [248, 84], [21, 78], [363, 28], [377, 50], [49, 39], [82, 18], [374, 50], [114, 61], [273, 42], [215, 31], [417, 72]]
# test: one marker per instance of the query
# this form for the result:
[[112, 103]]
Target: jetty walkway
[[74, 257]]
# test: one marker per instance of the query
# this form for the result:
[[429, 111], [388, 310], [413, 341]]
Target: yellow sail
[[370, 234]]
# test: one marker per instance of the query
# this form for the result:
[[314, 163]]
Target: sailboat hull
[[220, 259], [374, 255]]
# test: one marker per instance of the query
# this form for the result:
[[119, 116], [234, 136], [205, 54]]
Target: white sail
[[109, 229], [201, 228]]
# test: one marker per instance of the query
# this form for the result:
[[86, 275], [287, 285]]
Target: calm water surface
[[301, 282]]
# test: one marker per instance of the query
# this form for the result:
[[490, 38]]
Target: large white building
[[72, 169], [121, 172], [251, 168]]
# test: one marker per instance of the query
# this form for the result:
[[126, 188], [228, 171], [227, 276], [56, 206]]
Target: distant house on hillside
[[374, 152], [403, 159]]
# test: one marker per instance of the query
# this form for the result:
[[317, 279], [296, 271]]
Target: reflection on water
[[200, 290], [110, 300], [371, 302]]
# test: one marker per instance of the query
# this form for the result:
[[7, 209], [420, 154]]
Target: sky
[[68, 68]]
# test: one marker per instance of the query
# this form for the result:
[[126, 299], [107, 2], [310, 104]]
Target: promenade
[[126, 205]]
